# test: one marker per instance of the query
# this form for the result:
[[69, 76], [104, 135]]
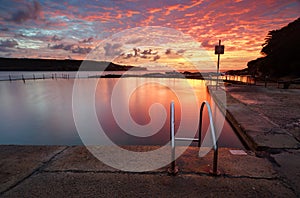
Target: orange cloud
[[130, 13], [154, 10]]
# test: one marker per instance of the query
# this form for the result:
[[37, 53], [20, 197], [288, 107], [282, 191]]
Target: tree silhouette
[[281, 52]]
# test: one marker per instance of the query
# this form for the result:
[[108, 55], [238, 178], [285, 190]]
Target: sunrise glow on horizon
[[52, 29]]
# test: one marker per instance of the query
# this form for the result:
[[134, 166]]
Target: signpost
[[219, 49]]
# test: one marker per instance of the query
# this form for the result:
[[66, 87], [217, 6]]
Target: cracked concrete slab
[[233, 165], [145, 185], [75, 171], [268, 119], [80, 159], [77, 158], [18, 162], [261, 130], [289, 167]]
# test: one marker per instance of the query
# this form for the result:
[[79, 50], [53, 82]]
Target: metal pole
[[173, 170], [200, 124], [215, 163], [172, 135], [217, 83], [213, 136], [215, 142]]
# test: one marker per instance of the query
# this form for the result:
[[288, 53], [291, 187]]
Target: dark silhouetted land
[[20, 64], [280, 53]]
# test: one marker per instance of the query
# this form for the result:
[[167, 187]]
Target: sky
[[142, 32]]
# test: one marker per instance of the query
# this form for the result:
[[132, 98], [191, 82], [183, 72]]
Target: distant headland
[[24, 64]]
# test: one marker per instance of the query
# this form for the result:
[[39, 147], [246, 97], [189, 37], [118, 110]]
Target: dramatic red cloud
[[241, 25]]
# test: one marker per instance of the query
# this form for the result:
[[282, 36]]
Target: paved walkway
[[270, 170]]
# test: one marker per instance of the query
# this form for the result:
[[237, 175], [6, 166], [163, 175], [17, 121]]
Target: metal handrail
[[174, 170], [213, 135]]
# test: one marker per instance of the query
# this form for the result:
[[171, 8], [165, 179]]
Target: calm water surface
[[39, 112]]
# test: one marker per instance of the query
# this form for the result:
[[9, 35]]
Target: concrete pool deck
[[267, 119]]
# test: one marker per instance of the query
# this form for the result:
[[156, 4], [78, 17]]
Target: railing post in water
[[174, 169], [23, 78]]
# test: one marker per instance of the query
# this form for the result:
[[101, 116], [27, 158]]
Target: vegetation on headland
[[21, 64], [281, 55]]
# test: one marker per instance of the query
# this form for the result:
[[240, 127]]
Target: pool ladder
[[173, 170]]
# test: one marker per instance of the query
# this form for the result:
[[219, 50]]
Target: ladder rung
[[187, 139]]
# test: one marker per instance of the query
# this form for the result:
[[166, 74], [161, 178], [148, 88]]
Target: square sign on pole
[[219, 49]]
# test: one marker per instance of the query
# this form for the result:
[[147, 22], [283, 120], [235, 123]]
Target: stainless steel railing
[[173, 170]]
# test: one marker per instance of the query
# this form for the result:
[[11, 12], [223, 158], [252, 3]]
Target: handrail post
[[173, 170], [200, 123], [213, 135], [215, 163]]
